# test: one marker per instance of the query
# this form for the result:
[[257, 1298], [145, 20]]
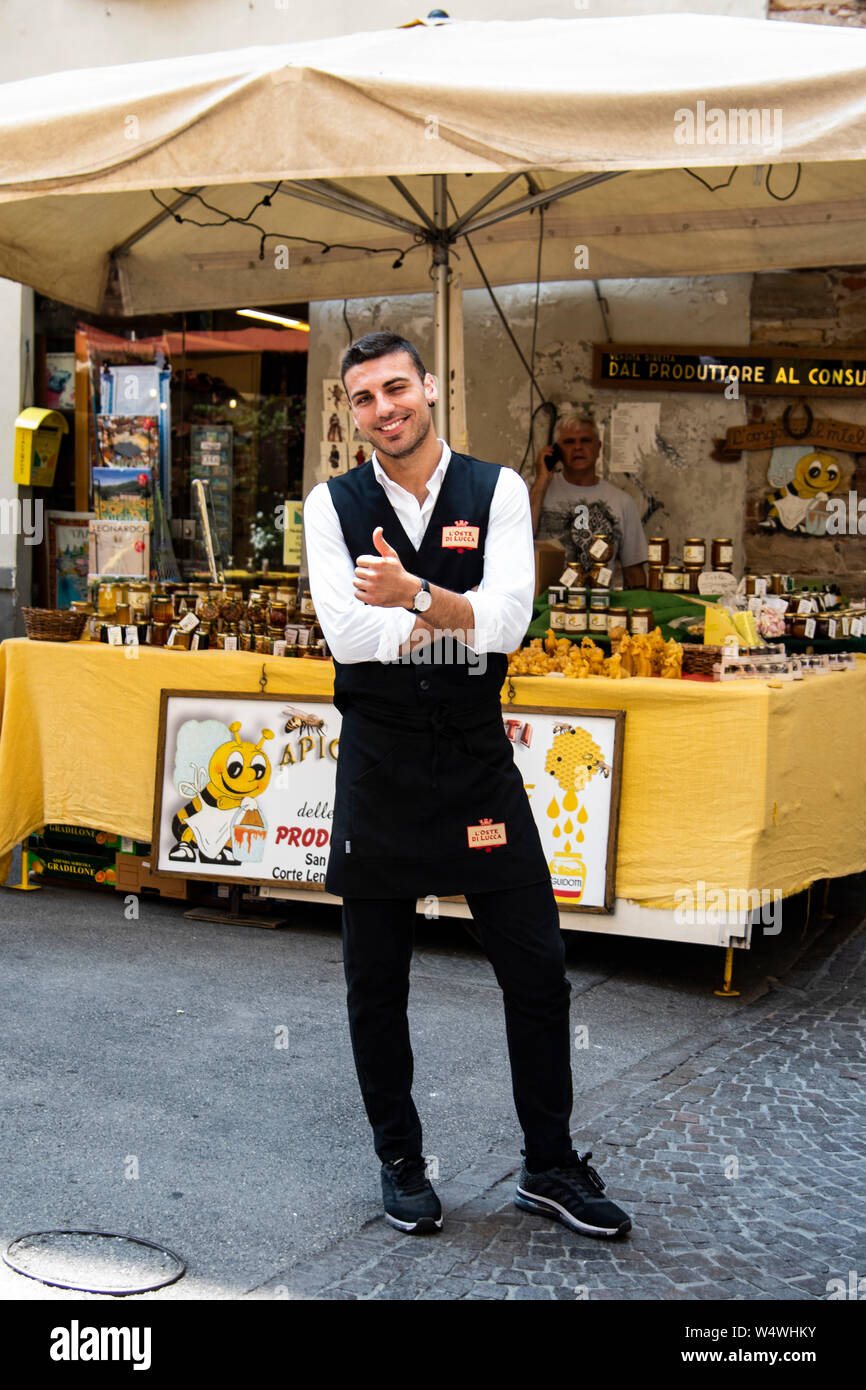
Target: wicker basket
[[698, 660], [53, 624]]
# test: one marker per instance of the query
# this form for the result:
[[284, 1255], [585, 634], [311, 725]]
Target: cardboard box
[[85, 839], [549, 564], [63, 866]]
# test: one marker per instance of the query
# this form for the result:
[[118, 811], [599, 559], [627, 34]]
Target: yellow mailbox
[[37, 445]]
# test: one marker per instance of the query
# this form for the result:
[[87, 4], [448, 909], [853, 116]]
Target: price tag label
[[130, 635], [831, 628], [188, 622], [604, 577], [845, 627], [804, 606], [856, 627], [279, 647], [760, 587], [231, 644], [115, 637], [809, 627], [568, 577]]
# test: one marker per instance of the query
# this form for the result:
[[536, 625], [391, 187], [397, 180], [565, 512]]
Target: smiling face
[[816, 472], [239, 769], [391, 405]]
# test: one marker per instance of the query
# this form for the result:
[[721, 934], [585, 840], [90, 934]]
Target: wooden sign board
[[245, 790]]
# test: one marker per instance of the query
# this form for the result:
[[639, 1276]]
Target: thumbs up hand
[[380, 580]]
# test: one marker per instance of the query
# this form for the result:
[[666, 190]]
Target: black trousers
[[520, 934]]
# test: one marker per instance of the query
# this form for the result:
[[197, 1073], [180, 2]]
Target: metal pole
[[440, 305]]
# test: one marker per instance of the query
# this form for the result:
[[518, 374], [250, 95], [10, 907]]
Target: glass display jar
[[659, 550], [600, 548], [161, 608], [672, 577], [575, 619], [695, 552], [722, 554], [691, 578], [558, 616], [654, 579], [641, 621]]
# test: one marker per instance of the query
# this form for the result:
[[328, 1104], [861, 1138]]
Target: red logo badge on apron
[[486, 835], [461, 536]]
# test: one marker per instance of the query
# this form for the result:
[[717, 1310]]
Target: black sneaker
[[571, 1193], [410, 1202]]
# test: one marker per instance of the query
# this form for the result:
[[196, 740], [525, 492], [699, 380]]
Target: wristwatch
[[422, 599]]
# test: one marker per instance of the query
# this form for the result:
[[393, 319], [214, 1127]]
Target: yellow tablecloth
[[739, 786]]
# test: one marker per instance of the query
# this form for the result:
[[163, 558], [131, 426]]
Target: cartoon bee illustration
[[301, 721], [221, 808], [797, 505]]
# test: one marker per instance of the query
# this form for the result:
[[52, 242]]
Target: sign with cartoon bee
[[245, 790], [571, 763], [245, 787]]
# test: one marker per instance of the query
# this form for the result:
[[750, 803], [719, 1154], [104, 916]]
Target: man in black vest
[[421, 572]]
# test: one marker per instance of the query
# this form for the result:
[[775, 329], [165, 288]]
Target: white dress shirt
[[502, 603]]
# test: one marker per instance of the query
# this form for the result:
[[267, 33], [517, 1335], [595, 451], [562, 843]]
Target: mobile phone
[[554, 457]]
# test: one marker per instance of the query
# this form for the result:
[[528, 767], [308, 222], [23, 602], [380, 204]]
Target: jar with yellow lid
[[600, 548], [691, 578], [659, 551], [558, 616], [722, 556], [695, 552], [617, 618]]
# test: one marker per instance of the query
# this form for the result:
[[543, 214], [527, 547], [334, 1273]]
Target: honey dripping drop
[[556, 832], [568, 847], [553, 809], [582, 816], [569, 802], [580, 834], [568, 827]]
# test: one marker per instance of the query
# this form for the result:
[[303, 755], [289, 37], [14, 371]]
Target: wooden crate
[[134, 876]]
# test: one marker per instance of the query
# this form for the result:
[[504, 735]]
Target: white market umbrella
[[363, 144]]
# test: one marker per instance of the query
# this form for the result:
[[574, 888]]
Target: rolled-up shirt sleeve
[[502, 603], [354, 631]]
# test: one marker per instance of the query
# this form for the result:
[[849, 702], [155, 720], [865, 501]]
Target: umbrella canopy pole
[[440, 304]]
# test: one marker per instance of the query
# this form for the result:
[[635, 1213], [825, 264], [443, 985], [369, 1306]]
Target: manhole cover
[[93, 1261]]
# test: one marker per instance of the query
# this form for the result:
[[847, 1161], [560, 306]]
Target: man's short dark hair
[[374, 345]]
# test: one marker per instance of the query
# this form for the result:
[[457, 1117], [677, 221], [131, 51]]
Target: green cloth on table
[[666, 606]]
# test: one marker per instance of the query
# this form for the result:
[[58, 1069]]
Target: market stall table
[[740, 786]]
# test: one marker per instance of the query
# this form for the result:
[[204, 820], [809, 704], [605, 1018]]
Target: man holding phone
[[606, 510]]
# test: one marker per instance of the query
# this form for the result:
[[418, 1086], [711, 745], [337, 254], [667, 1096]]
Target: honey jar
[[558, 616], [672, 577], [598, 612], [695, 552], [654, 581], [139, 602], [691, 578], [617, 617], [161, 608], [556, 594], [306, 606], [600, 548], [659, 551], [158, 633], [641, 621], [600, 576], [575, 619], [722, 554]]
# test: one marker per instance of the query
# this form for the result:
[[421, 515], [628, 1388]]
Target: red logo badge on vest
[[461, 536], [486, 835]]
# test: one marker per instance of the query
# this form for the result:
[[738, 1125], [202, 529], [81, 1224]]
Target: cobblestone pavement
[[740, 1156]]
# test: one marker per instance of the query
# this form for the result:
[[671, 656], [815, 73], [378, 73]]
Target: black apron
[[429, 800]]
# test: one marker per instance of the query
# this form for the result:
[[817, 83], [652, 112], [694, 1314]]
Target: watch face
[[422, 601]]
